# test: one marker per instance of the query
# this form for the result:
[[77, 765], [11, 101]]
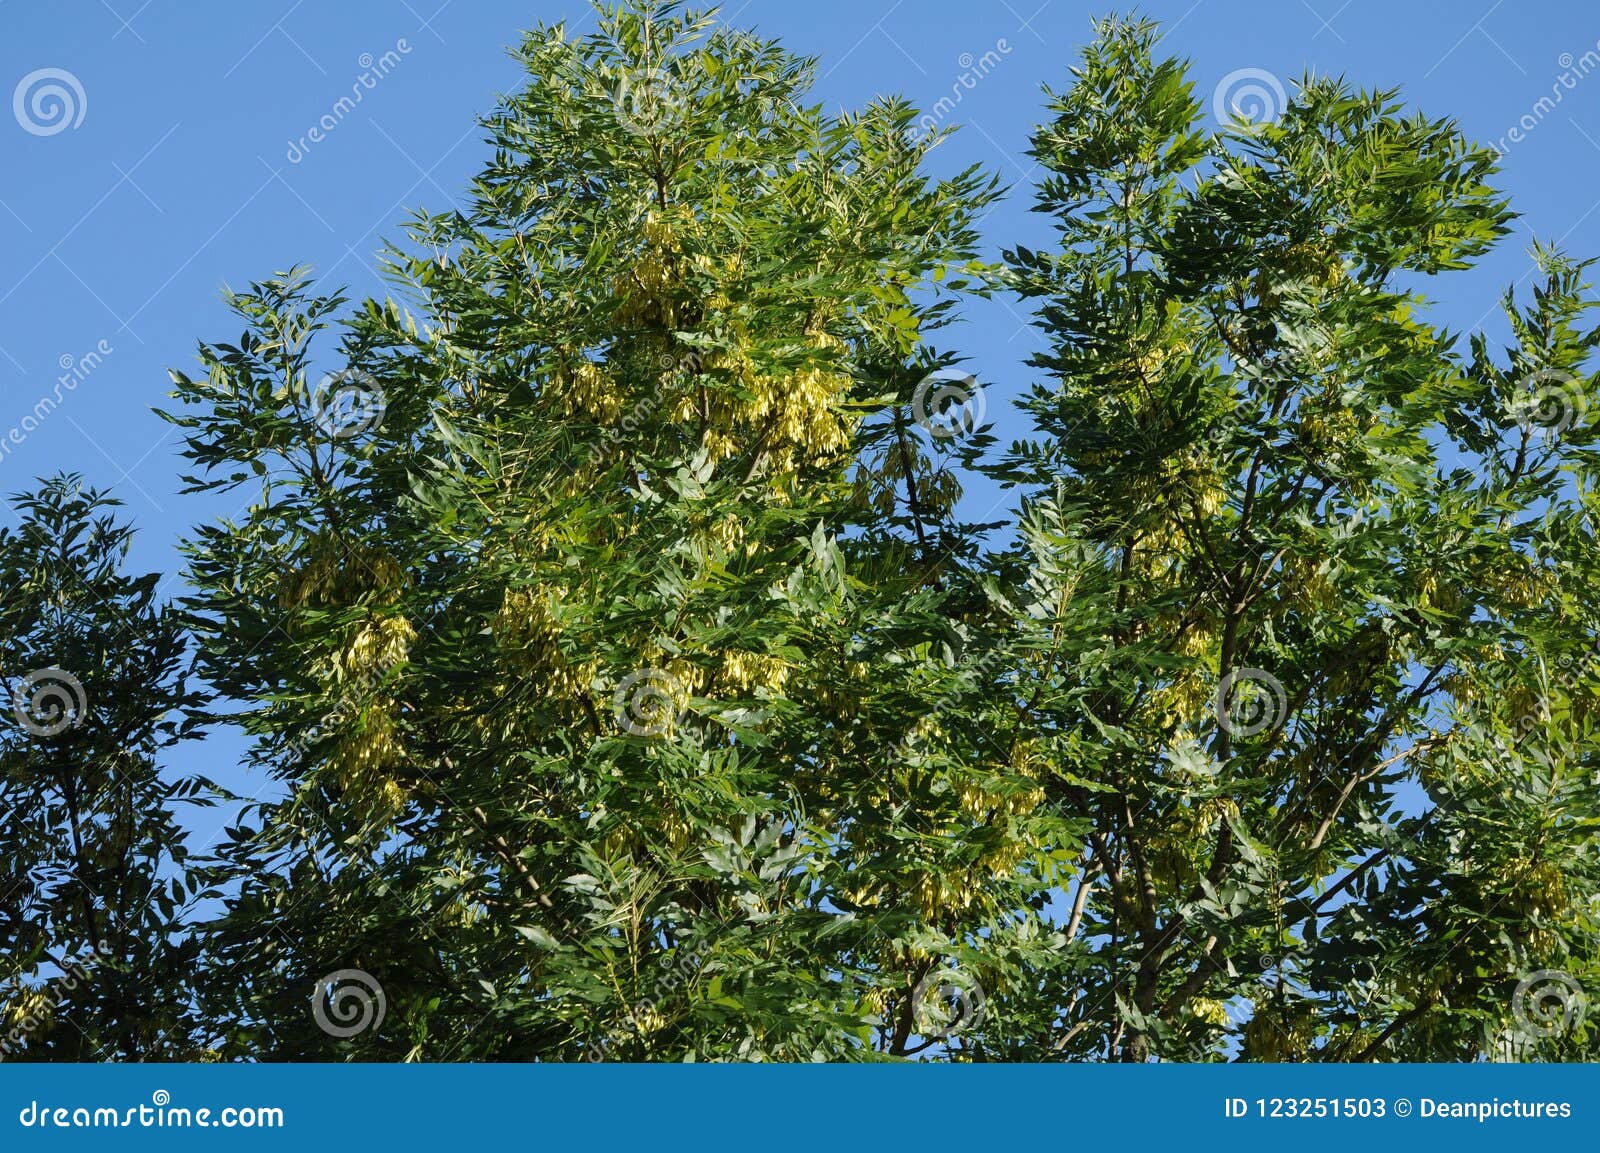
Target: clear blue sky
[[123, 225]]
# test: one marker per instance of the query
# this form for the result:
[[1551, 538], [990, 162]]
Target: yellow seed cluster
[[1208, 497], [721, 536], [747, 670], [1214, 809], [1178, 845], [1544, 942], [1434, 594], [1274, 1035], [31, 1013], [526, 622], [1307, 585], [589, 392], [370, 747], [1542, 886], [1171, 497], [937, 893], [647, 1019], [1183, 699], [1151, 363], [980, 803], [1309, 261], [527, 630], [1524, 701], [880, 482], [678, 833], [378, 646], [334, 575], [362, 761], [1195, 642], [1527, 588], [941, 892], [800, 407], [791, 414], [457, 909], [647, 292], [687, 677], [1002, 860], [1332, 431]]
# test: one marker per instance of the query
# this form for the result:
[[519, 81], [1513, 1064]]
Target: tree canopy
[[631, 686]]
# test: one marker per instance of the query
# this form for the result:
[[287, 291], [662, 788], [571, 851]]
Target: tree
[[634, 688], [93, 864], [589, 601], [1316, 621]]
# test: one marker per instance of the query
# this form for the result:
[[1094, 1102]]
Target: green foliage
[[635, 636], [93, 866], [1309, 557]]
